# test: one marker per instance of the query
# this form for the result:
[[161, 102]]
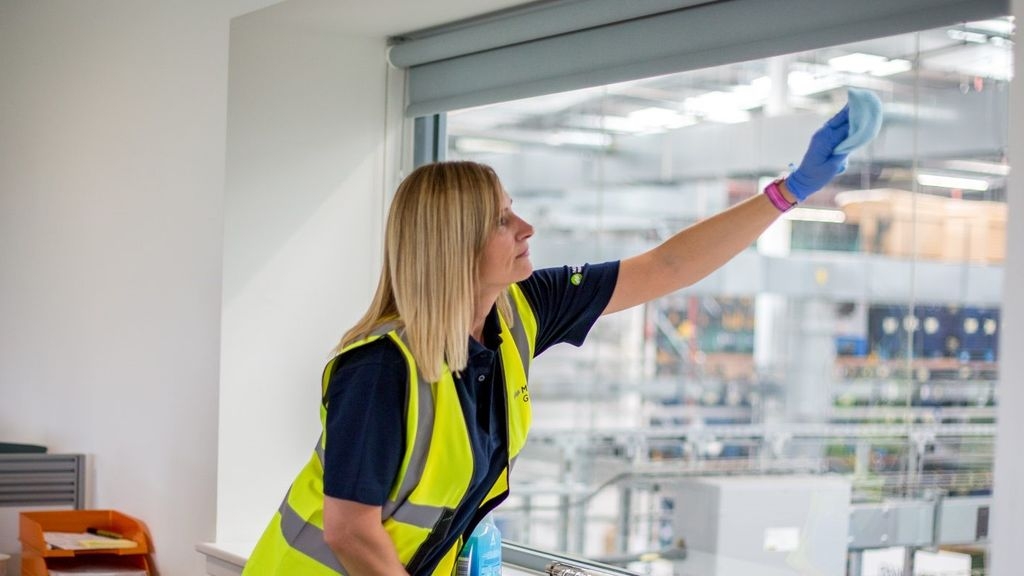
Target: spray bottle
[[481, 555]]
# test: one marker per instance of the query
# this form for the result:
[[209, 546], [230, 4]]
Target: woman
[[426, 404]]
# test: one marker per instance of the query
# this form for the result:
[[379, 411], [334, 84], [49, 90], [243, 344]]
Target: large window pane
[[846, 360]]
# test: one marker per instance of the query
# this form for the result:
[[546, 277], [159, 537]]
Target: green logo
[[576, 279]]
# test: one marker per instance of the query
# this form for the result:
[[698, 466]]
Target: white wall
[[1007, 529], [303, 210], [113, 223], [112, 127]]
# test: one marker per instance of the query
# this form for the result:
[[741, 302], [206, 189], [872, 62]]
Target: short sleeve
[[568, 300], [365, 423]]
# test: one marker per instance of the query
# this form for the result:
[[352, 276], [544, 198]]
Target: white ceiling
[[379, 18]]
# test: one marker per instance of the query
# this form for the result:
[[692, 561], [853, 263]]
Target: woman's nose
[[526, 229]]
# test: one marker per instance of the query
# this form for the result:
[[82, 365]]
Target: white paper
[[98, 571], [84, 541]]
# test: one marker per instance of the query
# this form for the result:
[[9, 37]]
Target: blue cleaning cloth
[[865, 120]]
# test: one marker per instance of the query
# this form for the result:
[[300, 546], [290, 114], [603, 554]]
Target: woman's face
[[506, 256]]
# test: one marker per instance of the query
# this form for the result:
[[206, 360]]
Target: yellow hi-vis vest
[[434, 474]]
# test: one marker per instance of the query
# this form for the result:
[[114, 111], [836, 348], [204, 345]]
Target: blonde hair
[[439, 221]]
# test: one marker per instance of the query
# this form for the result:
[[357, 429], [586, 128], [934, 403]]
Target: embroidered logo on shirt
[[523, 392], [575, 275]]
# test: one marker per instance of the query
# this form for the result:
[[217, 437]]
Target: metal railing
[[537, 561]]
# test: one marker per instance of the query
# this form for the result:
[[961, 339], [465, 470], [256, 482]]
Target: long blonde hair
[[438, 224]]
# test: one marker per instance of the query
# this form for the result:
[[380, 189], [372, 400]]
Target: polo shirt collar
[[491, 334]]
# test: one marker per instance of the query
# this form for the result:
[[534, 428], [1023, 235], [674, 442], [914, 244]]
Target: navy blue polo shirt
[[366, 397]]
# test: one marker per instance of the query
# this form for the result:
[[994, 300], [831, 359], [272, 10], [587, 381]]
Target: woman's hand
[[820, 164]]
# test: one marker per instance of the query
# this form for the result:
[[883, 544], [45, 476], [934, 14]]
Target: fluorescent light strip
[[967, 36], [857, 62], [993, 168], [952, 182], [891, 67], [816, 215], [861, 63], [486, 146], [579, 138], [994, 26]]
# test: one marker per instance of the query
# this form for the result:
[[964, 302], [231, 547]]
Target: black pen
[[105, 533]]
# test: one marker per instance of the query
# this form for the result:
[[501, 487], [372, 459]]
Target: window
[[849, 358]]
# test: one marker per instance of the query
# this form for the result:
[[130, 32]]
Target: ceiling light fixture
[[1003, 27], [967, 36], [579, 138], [803, 83], [861, 63], [857, 62], [655, 118], [486, 146], [890, 67], [815, 215], [654, 115], [952, 182], [978, 166], [717, 106]]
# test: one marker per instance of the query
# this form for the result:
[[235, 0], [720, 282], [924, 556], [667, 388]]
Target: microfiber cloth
[[865, 119]]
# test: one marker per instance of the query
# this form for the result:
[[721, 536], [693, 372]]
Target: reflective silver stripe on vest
[[523, 346], [521, 340], [416, 514], [399, 508], [320, 448], [385, 328], [306, 538]]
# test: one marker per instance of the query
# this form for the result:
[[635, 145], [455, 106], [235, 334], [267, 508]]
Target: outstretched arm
[[699, 250], [693, 253]]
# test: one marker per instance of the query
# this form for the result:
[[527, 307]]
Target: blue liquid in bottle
[[481, 555]]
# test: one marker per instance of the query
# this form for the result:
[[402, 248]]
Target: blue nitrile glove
[[820, 163]]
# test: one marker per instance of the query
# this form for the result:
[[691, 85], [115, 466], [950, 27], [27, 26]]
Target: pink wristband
[[777, 199]]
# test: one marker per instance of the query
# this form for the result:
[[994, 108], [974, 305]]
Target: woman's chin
[[525, 267]]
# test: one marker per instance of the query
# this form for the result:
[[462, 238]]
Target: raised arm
[[693, 253], [702, 248]]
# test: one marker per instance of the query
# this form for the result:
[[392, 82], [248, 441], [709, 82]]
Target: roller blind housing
[[551, 47]]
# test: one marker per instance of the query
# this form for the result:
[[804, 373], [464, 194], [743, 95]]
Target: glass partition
[[824, 402]]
